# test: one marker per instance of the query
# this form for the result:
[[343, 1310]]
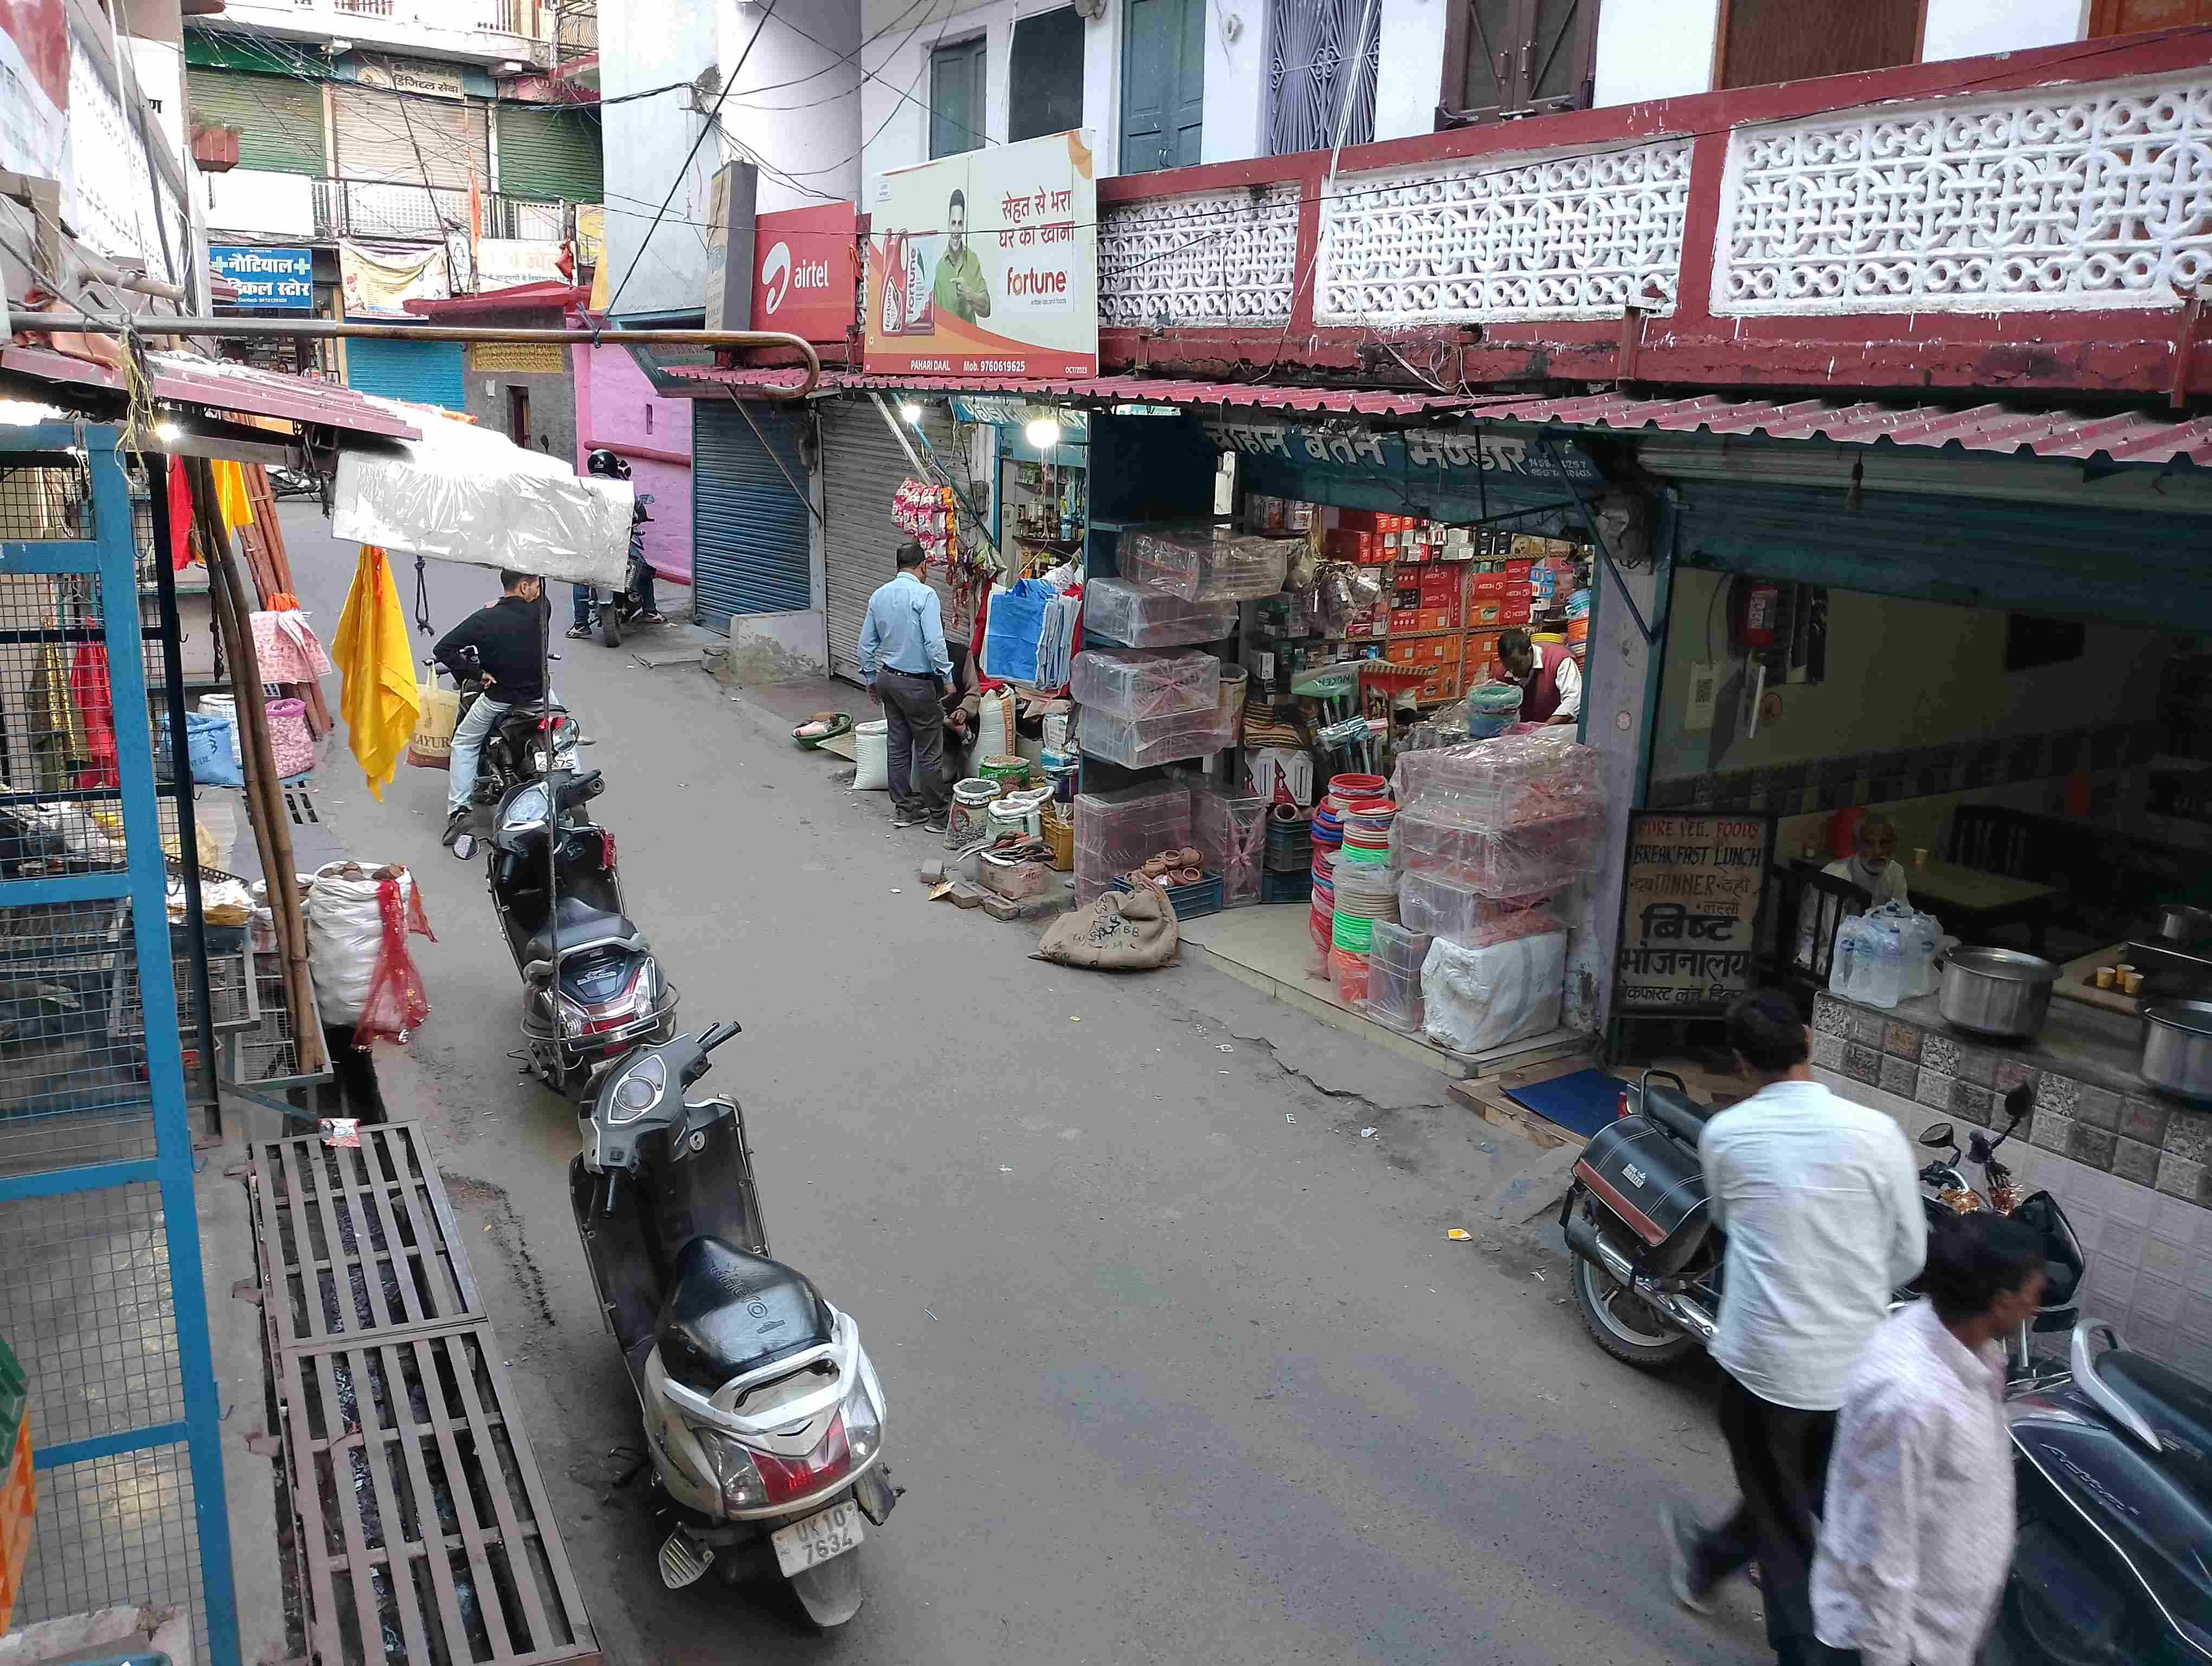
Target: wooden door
[[1163, 85]]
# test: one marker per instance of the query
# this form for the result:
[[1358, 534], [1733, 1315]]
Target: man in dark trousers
[[904, 664], [509, 653], [1821, 1206]]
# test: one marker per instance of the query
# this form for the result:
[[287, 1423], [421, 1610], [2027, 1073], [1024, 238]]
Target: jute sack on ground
[[1129, 931]]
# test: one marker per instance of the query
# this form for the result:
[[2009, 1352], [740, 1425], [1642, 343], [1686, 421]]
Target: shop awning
[[182, 379], [2125, 436], [545, 295], [1119, 390]]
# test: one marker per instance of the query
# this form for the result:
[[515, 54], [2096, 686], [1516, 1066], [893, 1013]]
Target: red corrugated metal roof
[[2123, 436], [183, 380], [540, 296], [1131, 390]]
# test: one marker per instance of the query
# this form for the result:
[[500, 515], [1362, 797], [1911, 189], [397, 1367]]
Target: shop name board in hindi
[[1689, 910], [1446, 452], [518, 358], [268, 280]]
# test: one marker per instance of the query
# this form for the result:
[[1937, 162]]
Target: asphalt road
[[1180, 1366]]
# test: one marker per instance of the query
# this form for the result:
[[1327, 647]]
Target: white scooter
[[762, 1415]]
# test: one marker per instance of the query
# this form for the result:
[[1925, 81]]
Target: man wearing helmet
[[608, 466]]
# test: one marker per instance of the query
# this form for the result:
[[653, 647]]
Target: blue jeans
[[468, 750], [580, 595]]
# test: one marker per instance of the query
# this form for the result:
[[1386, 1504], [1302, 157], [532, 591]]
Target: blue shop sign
[[269, 280]]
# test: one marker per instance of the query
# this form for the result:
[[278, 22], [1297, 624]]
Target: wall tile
[[2108, 1286], [1939, 1052], [2145, 1119], [2167, 1259], [2133, 1160], [2144, 1337], [1976, 1064], [2194, 1358], [1866, 1027], [2196, 1316], [2189, 1133], [2175, 1218], [1830, 1016], [1862, 1064], [2091, 1145], [1932, 1088], [2120, 1244], [1901, 1040], [2179, 1178], [2136, 1204], [1898, 1075], [2055, 1092], [2010, 1073], [2099, 1107], [2051, 1131], [2157, 1300], [1972, 1104], [1828, 1051]]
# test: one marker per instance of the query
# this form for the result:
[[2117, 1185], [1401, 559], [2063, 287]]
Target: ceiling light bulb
[[167, 433], [912, 411], [1042, 432]]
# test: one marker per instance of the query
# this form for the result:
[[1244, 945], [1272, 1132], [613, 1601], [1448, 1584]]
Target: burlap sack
[[1129, 931]]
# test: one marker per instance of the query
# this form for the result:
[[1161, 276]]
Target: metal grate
[[357, 1239], [267, 1052], [233, 992], [118, 1530]]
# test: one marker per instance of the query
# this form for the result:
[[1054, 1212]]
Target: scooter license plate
[[809, 1543]]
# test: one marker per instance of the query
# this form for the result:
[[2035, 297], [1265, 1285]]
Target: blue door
[[428, 372], [751, 545]]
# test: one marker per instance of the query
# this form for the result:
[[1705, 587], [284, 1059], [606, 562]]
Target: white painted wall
[[1965, 28], [795, 109], [644, 141], [1235, 81], [1657, 49], [1409, 77]]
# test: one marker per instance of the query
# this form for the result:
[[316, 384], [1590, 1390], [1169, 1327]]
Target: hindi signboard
[[1689, 927], [269, 280], [987, 263]]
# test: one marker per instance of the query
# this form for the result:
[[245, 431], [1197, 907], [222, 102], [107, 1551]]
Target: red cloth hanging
[[180, 516], [88, 685]]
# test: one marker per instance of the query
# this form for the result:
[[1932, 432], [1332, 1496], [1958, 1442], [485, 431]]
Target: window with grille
[[1314, 67]]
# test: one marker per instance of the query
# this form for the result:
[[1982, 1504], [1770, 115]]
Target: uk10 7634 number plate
[[817, 1539]]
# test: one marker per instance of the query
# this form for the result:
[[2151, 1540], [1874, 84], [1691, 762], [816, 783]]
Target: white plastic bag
[[872, 754], [1475, 1000], [345, 936]]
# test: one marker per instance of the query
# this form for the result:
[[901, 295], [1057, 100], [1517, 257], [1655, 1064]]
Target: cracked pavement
[[1179, 1366]]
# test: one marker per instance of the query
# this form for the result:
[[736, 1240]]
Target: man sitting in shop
[[904, 664], [1870, 868], [508, 655], [1550, 682]]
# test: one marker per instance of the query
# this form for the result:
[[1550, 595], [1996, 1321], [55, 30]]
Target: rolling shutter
[[862, 465], [412, 140], [548, 156], [279, 117], [429, 371], [750, 545]]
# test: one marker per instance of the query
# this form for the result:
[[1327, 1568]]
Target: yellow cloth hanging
[[378, 701], [230, 495]]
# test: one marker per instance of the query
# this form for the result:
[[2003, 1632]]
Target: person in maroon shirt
[[1551, 681]]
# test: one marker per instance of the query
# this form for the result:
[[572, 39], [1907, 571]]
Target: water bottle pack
[[1885, 956]]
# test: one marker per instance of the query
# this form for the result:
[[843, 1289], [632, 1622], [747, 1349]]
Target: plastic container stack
[[1144, 682], [1327, 837], [1393, 976], [1151, 616], [1207, 563], [1117, 830]]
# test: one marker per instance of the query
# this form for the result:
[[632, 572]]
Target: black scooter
[[613, 612], [2114, 1471], [534, 737], [590, 987]]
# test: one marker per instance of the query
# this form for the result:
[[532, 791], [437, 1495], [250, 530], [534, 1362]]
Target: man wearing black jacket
[[507, 637]]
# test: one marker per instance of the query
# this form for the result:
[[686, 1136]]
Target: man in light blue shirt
[[903, 661]]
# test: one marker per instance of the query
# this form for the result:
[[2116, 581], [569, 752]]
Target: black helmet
[[607, 463]]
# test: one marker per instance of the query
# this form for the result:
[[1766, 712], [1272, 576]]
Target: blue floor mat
[[1581, 1104]]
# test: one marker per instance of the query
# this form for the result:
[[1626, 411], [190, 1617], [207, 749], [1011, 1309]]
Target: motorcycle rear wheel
[[1623, 1324], [610, 624]]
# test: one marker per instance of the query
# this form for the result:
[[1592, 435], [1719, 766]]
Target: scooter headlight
[[735, 1472], [639, 1091], [864, 1430]]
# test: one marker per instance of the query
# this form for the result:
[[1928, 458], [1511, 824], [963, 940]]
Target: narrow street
[[1180, 1366]]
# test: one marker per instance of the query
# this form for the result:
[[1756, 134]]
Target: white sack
[[1478, 998], [872, 756], [345, 936]]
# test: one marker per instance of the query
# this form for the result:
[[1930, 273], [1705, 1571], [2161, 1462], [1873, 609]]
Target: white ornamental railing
[[1213, 257]]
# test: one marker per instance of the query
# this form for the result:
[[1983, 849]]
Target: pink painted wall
[[616, 407]]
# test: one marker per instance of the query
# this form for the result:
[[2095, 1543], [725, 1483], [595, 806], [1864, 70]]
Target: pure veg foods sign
[[1690, 909]]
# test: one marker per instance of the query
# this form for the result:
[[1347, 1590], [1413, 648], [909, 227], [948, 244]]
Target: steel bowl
[[2178, 922], [2177, 1047], [1998, 993]]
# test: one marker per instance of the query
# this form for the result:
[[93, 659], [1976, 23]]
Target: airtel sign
[[807, 282]]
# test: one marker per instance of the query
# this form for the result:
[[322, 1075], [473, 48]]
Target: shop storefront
[[752, 540], [863, 465]]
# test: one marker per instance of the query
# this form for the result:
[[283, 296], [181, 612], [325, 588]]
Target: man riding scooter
[[508, 649], [645, 612]]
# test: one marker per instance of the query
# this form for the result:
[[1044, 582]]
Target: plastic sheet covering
[[1151, 616], [1442, 903], [1144, 682], [1532, 859], [1393, 976], [1136, 742], [1512, 780], [463, 493], [1207, 563], [1230, 835], [1117, 830], [1474, 999]]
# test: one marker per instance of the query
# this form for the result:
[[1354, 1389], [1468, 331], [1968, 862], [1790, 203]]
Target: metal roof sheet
[[1130, 390], [183, 379]]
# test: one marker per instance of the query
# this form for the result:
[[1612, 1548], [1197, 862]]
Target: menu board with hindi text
[[1690, 909]]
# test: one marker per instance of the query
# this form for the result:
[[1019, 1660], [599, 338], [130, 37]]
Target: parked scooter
[[534, 737], [2114, 1470], [1648, 1262], [590, 987], [763, 1413]]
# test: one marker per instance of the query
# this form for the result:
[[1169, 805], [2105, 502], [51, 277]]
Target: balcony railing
[[365, 208], [2029, 220], [533, 20]]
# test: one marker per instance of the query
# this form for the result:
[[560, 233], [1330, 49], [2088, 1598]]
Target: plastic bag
[[1476, 999], [872, 756], [397, 1003], [211, 750], [345, 936], [438, 714], [1012, 630]]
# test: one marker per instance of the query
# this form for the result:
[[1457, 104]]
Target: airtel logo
[[780, 274]]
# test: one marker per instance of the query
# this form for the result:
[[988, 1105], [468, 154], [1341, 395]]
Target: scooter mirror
[[465, 847], [1937, 1136]]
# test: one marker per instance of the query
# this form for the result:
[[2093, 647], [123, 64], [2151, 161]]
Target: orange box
[[1487, 586], [1485, 614], [1479, 657], [1424, 652], [1359, 520], [1439, 588]]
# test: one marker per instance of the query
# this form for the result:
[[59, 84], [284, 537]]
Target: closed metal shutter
[[279, 120], [548, 156], [418, 141], [750, 546], [862, 465], [430, 371]]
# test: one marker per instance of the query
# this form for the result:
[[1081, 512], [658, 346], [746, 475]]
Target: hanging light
[[167, 433], [911, 410], [1043, 431]]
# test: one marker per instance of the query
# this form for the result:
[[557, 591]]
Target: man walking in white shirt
[[1821, 1206], [1920, 1528]]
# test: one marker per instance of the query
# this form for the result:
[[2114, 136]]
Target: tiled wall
[[1838, 783], [2134, 1174]]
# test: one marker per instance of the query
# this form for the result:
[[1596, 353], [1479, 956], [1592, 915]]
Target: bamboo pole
[[272, 834]]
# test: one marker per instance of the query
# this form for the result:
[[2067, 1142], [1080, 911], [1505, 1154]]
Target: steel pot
[[1999, 993], [2178, 922], [2177, 1047]]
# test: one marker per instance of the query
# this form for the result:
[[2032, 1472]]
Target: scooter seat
[[2178, 1408], [728, 1312], [576, 922]]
